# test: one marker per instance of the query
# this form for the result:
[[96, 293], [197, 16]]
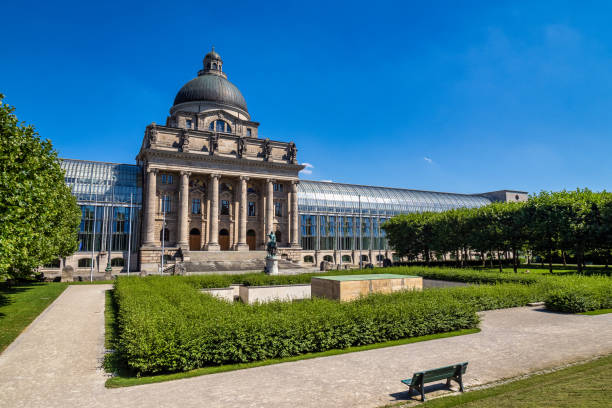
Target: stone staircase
[[233, 262]]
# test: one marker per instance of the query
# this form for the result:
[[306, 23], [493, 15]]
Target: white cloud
[[327, 181], [428, 160], [307, 169]]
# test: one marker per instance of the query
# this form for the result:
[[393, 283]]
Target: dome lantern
[[212, 62], [211, 86]]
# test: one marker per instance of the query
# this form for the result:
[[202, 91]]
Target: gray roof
[[210, 87], [318, 196]]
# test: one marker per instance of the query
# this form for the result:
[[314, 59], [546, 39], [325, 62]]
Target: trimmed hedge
[[166, 325], [581, 294]]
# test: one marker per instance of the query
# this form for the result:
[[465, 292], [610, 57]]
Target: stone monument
[[67, 274], [271, 259]]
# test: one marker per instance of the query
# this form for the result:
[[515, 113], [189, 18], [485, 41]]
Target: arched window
[[117, 262], [364, 258], [194, 231], [214, 65], [380, 257], [346, 258], [220, 126], [164, 235], [308, 259], [328, 258], [85, 263]]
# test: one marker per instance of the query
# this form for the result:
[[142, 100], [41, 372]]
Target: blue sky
[[449, 96]]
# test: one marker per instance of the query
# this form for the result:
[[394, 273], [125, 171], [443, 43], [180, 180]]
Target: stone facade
[[213, 182]]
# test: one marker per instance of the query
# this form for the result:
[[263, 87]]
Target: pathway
[[56, 362]]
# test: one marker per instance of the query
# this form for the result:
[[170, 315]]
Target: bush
[[165, 325], [581, 294]]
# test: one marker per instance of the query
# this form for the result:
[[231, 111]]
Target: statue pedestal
[[271, 266]]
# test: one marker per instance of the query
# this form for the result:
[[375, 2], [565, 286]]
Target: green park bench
[[452, 372]]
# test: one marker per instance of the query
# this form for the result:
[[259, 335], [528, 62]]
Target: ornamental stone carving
[[267, 149], [152, 134], [241, 147], [214, 143], [292, 153], [184, 141]]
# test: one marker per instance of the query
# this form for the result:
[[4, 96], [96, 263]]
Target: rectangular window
[[188, 123], [251, 209], [166, 204], [278, 209], [225, 207], [196, 207], [248, 132], [166, 178], [278, 187]]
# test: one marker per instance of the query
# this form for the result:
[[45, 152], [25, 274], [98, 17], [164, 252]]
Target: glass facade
[[104, 191], [349, 217]]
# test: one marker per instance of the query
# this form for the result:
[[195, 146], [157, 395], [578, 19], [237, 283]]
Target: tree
[[39, 217]]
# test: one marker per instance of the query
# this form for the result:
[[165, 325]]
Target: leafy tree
[[39, 218]]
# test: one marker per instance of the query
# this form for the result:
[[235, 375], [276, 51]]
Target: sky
[[463, 97]]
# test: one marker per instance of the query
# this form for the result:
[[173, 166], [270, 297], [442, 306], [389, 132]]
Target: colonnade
[[213, 216]]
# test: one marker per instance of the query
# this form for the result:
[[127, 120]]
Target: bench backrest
[[439, 373]]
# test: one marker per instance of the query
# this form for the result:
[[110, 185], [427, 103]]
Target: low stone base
[[242, 247], [213, 247], [272, 266]]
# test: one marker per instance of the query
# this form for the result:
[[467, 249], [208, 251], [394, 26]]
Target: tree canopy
[[573, 222], [39, 217]]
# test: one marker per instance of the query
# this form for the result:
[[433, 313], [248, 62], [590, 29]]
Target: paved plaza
[[56, 362]]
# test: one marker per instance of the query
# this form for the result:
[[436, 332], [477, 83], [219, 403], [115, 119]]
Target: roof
[[318, 196], [210, 87]]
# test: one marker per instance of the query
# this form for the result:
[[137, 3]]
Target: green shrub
[[580, 294], [166, 325]]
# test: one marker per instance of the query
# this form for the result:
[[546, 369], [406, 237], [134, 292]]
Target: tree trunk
[[563, 256], [491, 258], [550, 261], [579, 260], [514, 260], [484, 259]]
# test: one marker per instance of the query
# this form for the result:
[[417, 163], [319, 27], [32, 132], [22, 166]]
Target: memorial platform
[[350, 287]]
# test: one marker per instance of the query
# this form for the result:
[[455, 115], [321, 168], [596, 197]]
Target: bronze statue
[[271, 246], [267, 149]]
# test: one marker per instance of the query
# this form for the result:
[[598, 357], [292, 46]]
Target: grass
[[20, 304], [583, 385], [125, 379], [596, 312]]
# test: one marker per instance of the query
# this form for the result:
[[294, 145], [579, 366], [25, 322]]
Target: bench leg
[[422, 387], [460, 382], [448, 382]]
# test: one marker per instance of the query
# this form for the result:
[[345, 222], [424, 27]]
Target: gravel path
[[56, 362]]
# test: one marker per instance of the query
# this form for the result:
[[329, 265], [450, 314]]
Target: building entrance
[[194, 240], [224, 240], [251, 239]]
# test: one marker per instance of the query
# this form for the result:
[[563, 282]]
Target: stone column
[[242, 217], [294, 222], [213, 236], [269, 205], [151, 207], [183, 216]]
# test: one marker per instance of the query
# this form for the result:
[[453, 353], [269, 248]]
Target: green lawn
[[584, 385], [538, 269], [20, 304]]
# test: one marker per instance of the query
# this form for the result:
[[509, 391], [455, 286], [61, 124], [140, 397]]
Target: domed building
[[211, 180], [206, 189]]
